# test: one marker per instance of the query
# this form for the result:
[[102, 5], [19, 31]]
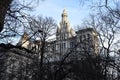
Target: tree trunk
[[4, 6]]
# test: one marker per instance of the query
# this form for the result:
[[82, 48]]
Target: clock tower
[[64, 33]]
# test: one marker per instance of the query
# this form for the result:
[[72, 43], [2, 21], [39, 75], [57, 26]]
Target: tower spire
[[64, 16]]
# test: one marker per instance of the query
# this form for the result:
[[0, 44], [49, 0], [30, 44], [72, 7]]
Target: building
[[81, 42], [15, 63]]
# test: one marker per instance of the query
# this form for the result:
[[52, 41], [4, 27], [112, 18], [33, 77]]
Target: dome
[[64, 14]]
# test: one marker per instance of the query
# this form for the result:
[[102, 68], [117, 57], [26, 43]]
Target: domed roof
[[64, 13]]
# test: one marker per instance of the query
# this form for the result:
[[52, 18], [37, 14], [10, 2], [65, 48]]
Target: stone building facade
[[67, 40]]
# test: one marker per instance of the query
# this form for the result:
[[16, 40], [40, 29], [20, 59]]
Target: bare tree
[[39, 30], [14, 17], [12, 10], [107, 27]]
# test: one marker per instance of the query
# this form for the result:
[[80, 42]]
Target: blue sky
[[53, 8], [77, 10]]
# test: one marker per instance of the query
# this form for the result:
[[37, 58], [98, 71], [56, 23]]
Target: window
[[64, 45], [54, 47], [84, 37], [80, 38], [64, 36], [57, 46], [88, 36], [60, 47], [72, 44]]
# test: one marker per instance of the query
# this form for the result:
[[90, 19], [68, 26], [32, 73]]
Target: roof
[[85, 30]]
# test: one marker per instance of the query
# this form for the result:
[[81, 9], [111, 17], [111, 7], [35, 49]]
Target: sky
[[76, 10]]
